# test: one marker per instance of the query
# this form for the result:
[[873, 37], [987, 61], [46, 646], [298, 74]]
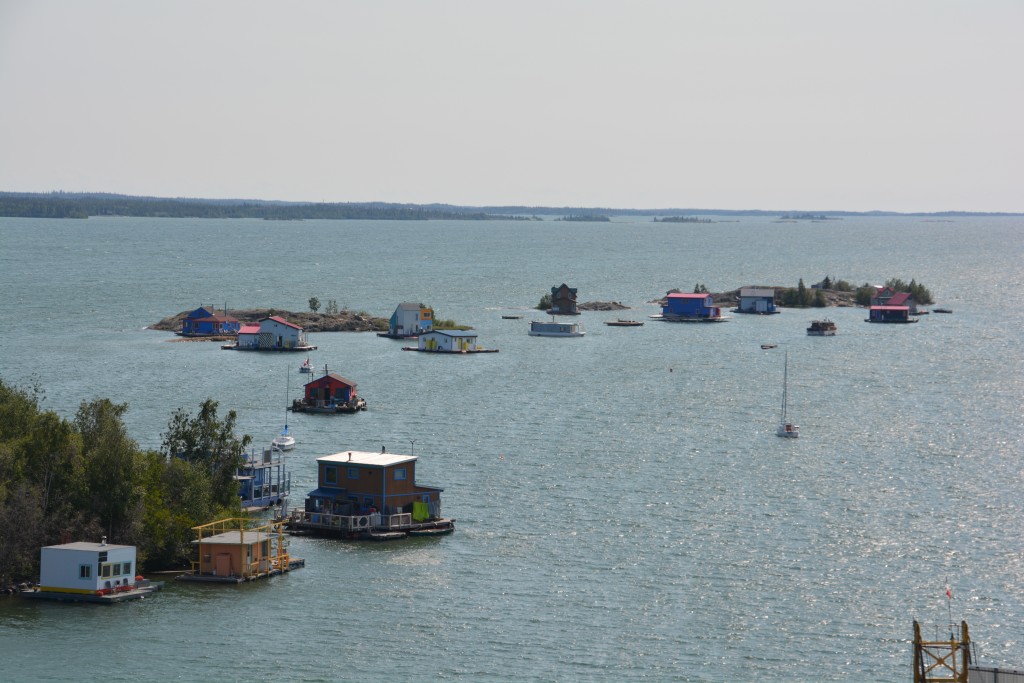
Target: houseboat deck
[[372, 527], [300, 406], [449, 351], [689, 318], [285, 565], [236, 347], [139, 591]]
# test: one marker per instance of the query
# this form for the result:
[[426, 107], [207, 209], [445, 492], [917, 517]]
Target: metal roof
[[367, 458]]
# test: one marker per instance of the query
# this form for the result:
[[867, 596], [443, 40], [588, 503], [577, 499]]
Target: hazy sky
[[904, 105]]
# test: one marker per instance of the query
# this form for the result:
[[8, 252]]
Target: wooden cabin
[[563, 300], [239, 549]]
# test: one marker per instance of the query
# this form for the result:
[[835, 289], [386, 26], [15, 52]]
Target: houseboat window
[[330, 475], [312, 393], [353, 472], [85, 571], [126, 568], [399, 474], [105, 571], [115, 569]]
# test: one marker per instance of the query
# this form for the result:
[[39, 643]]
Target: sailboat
[[286, 441], [306, 366], [786, 428]]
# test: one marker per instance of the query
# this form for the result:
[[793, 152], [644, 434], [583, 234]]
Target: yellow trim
[[79, 591]]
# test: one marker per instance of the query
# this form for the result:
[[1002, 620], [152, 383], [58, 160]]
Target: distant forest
[[83, 205]]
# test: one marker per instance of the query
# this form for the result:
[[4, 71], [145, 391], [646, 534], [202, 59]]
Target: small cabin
[[448, 341], [757, 300], [331, 388], [360, 483], [410, 320], [204, 323], [890, 314], [563, 300], [86, 568], [272, 334], [680, 305], [239, 549]]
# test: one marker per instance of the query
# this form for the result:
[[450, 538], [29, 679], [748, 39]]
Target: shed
[[452, 341], [757, 300], [331, 388], [86, 568]]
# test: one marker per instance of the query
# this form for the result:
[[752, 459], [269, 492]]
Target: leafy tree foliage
[[314, 304], [545, 302], [85, 478]]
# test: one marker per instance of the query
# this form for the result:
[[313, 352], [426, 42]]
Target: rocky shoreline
[[343, 321]]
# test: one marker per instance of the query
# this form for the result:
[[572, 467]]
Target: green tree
[[545, 303], [314, 304], [112, 469], [207, 440]]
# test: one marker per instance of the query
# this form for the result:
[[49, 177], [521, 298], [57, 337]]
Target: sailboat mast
[[785, 385]]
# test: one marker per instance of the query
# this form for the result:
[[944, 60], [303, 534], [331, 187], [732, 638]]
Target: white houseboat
[[555, 329], [90, 572]]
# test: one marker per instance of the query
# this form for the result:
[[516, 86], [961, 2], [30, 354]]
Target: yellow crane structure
[[942, 661]]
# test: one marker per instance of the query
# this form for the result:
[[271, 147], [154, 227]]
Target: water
[[625, 511]]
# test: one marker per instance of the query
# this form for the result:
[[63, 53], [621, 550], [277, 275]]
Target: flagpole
[[949, 607]]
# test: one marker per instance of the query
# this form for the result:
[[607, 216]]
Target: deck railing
[[376, 520]]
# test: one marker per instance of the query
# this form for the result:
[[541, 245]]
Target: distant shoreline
[[86, 205]]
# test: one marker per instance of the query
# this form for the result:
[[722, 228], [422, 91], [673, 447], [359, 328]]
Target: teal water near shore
[[625, 511]]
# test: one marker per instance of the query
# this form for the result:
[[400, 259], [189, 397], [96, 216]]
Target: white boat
[[786, 428], [555, 329], [285, 442], [306, 366]]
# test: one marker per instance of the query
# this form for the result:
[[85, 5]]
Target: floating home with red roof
[[330, 393], [889, 314], [682, 307], [271, 334]]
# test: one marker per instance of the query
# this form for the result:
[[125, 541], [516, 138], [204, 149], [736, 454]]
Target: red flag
[[949, 593]]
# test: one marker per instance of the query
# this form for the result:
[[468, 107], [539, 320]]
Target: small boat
[[285, 442], [511, 317], [822, 328], [555, 329], [306, 366], [786, 428], [769, 346], [942, 310], [623, 323]]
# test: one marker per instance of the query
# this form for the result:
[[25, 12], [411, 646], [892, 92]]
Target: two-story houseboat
[[370, 495]]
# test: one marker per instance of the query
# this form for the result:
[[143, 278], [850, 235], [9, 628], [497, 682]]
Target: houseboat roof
[[757, 291], [683, 295], [890, 308], [234, 537], [335, 377], [249, 329], [84, 545], [409, 306], [368, 458], [216, 318], [279, 319], [899, 299]]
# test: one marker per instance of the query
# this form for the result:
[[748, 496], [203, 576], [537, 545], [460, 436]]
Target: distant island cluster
[[85, 205]]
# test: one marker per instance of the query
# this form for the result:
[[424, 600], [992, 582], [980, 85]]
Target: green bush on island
[[545, 303], [85, 478]]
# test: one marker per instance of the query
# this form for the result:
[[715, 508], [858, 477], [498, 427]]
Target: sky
[[907, 105]]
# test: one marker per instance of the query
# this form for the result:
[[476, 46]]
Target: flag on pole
[[949, 593]]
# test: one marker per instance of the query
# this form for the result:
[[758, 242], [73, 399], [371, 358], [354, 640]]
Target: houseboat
[[890, 314], [445, 341], [822, 328], [240, 549], [757, 300], [271, 334], [554, 329], [330, 394], [409, 321], [690, 308], [90, 572], [263, 480], [203, 322], [363, 495]]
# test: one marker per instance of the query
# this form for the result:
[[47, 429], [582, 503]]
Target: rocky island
[[342, 321]]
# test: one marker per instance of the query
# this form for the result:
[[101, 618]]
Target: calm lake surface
[[625, 510]]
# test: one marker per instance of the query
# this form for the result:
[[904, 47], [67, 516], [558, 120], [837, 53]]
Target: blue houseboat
[[205, 323], [263, 480], [690, 308]]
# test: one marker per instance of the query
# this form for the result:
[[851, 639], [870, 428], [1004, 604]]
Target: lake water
[[625, 511]]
